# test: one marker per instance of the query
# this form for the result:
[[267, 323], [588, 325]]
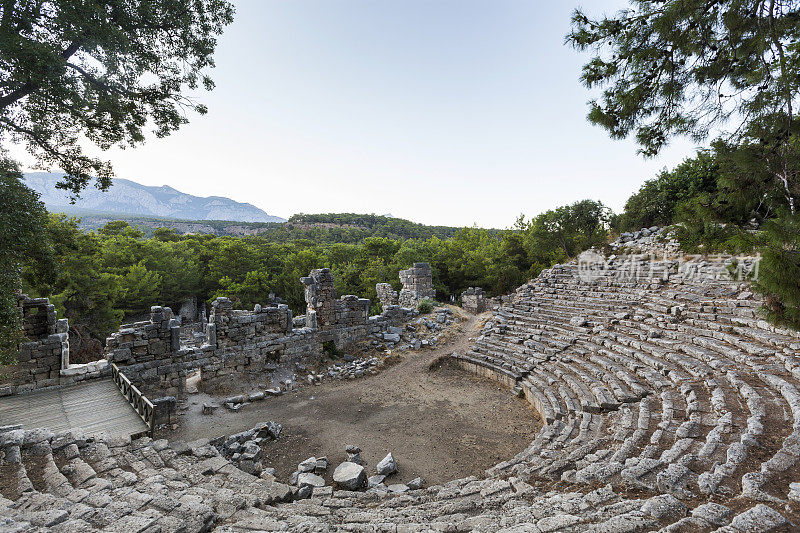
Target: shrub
[[780, 269], [329, 347], [425, 306]]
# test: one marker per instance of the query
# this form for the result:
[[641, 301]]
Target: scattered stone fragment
[[321, 465], [310, 479], [386, 466], [759, 518], [71, 451], [350, 476], [415, 483], [579, 321], [270, 430], [308, 465], [665, 507], [352, 368], [375, 481], [713, 513], [354, 454], [794, 492]]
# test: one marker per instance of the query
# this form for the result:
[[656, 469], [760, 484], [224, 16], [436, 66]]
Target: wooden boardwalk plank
[[95, 407]]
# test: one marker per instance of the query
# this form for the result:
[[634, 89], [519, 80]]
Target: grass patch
[[425, 306]]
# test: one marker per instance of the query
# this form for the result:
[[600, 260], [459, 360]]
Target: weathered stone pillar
[[386, 294], [417, 285], [474, 300], [62, 326], [320, 298], [211, 334]]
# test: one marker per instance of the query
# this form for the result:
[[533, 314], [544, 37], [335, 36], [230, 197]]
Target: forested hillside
[[103, 277], [344, 227], [341, 227]]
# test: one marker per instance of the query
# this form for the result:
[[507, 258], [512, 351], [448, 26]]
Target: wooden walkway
[[96, 407]]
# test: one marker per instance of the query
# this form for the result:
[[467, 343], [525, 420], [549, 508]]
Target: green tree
[[589, 220], [780, 270], [22, 222], [178, 268], [166, 235], [682, 66], [83, 287], [103, 71], [760, 173], [115, 227], [567, 230], [255, 288], [140, 289], [658, 200]]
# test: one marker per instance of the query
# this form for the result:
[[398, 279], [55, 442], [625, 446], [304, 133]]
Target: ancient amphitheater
[[667, 403]]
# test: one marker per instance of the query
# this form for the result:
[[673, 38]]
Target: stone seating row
[[623, 354], [69, 483]]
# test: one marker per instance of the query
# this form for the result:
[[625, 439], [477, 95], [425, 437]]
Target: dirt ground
[[438, 421]]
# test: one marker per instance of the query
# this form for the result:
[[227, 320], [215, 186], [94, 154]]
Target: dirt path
[[440, 423]]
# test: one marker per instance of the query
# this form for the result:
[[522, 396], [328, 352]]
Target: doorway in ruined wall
[[194, 380]]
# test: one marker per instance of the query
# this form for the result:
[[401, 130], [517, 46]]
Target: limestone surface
[[669, 404]]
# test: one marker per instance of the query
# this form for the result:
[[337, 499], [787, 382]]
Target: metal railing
[[143, 407]]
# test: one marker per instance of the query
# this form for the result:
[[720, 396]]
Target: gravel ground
[[439, 421]]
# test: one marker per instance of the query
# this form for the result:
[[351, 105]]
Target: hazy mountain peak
[[126, 197]]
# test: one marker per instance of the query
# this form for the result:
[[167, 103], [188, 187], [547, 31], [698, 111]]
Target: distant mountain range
[[127, 198]]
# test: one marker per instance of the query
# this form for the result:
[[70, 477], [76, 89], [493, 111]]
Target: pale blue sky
[[441, 111]]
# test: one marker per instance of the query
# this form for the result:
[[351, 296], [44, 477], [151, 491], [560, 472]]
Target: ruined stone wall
[[259, 359], [143, 342], [246, 345], [238, 346], [45, 348], [188, 310], [38, 317], [235, 327], [324, 311], [474, 300], [43, 357], [320, 299], [417, 285], [352, 311], [375, 326], [386, 295]]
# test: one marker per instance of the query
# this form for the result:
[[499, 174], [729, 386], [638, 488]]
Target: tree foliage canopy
[[22, 241], [682, 66], [115, 273], [658, 200], [102, 71]]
